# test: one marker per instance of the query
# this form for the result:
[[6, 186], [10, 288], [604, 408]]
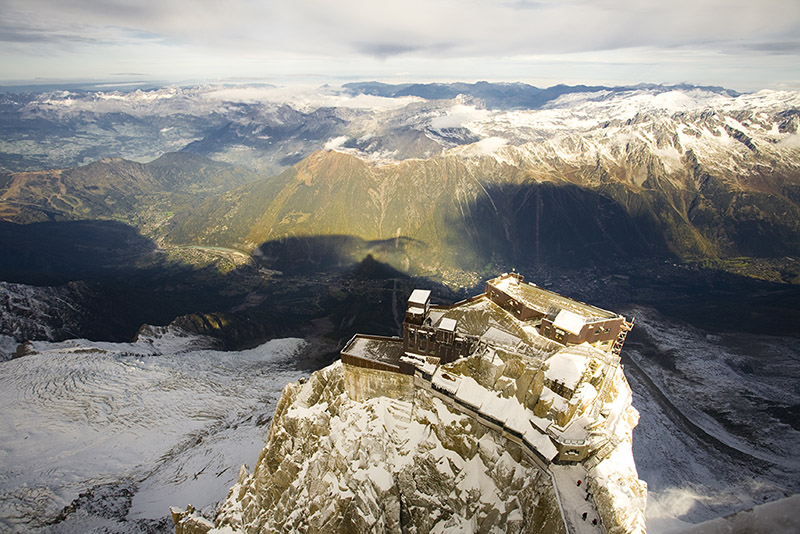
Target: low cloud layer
[[351, 36]]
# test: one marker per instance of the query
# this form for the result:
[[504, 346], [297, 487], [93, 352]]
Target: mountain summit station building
[[562, 356]]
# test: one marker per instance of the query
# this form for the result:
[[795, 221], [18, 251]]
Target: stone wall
[[362, 384]]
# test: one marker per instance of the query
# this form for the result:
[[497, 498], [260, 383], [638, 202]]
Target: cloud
[[490, 145], [385, 49], [484, 147], [336, 142], [457, 116], [417, 26], [240, 36], [306, 97]]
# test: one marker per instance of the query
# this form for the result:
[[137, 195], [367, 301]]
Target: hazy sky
[[740, 44]]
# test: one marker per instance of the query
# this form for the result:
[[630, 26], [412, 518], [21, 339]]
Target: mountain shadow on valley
[[52, 253], [336, 253], [561, 226], [128, 281]]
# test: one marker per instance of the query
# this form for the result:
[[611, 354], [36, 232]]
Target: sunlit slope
[[463, 212], [113, 188]]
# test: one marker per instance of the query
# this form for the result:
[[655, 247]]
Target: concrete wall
[[595, 333], [362, 384]]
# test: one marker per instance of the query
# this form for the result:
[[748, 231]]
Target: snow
[[361, 450], [446, 381], [472, 393], [423, 363], [541, 443], [448, 324], [778, 516], [569, 322], [508, 411], [8, 345], [79, 414], [419, 298], [500, 337], [690, 478], [558, 403], [573, 498], [566, 367]]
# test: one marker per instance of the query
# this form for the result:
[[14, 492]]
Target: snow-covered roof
[[569, 322], [448, 324], [446, 381], [543, 300], [419, 297], [416, 311], [508, 411], [385, 350], [423, 363], [576, 429], [566, 366], [495, 335]]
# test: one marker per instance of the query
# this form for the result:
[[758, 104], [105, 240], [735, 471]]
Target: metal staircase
[[624, 328]]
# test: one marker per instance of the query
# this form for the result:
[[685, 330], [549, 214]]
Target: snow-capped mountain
[[443, 182], [416, 465], [271, 128], [698, 173], [126, 427]]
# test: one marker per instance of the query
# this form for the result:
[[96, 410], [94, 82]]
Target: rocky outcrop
[[189, 522], [332, 464]]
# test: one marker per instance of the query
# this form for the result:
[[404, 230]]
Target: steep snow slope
[[131, 428]]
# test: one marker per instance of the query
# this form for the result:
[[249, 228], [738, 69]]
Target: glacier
[[103, 436]]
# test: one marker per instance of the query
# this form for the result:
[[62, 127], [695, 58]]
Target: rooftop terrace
[[374, 348], [544, 300]]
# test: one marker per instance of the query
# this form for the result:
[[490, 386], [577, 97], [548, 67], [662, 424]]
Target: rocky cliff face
[[335, 465], [419, 465]]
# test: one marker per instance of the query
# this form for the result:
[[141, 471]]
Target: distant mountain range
[[433, 178], [509, 95]]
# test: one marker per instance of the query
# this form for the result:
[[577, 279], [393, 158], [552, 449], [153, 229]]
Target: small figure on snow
[[587, 496], [583, 515], [579, 483], [594, 521]]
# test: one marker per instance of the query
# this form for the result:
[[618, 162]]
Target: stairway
[[624, 328], [401, 415]]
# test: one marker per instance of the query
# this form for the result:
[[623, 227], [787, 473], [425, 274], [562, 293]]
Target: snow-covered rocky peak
[[724, 132], [416, 461], [332, 464]]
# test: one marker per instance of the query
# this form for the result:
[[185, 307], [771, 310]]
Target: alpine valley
[[172, 257]]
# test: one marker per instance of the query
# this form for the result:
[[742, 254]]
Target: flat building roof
[[543, 300]]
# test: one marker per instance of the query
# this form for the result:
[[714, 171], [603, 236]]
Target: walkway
[[573, 499]]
